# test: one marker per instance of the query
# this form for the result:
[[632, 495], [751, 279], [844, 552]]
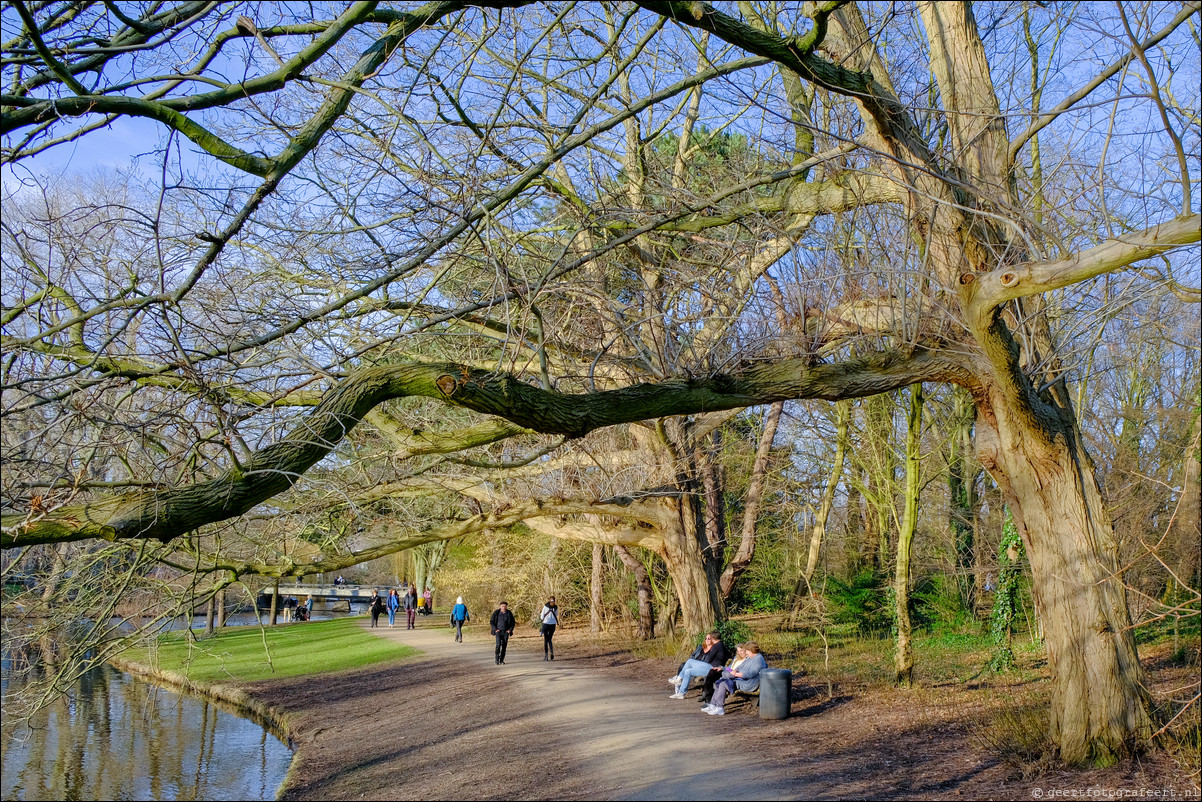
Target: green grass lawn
[[250, 653]]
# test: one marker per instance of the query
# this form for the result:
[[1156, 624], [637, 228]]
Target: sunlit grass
[[249, 653]]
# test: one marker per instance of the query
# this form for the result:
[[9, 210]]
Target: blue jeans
[[691, 668], [391, 617]]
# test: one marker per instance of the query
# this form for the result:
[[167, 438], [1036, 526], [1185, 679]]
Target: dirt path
[[622, 740], [597, 724]]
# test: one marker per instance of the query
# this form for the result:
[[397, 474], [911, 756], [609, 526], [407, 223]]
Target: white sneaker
[[707, 708], [676, 696], [675, 680], [716, 711]]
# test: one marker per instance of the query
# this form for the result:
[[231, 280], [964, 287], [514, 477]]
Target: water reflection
[[113, 737]]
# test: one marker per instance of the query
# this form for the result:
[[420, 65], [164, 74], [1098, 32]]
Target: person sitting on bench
[[707, 687], [710, 655], [744, 678]]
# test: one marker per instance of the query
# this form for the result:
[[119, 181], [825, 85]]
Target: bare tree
[[480, 208]]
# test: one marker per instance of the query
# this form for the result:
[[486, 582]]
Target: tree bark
[[714, 487], [646, 627], [1185, 533], [822, 514], [700, 602], [168, 514], [962, 502], [1099, 702], [904, 653], [751, 509], [596, 598]]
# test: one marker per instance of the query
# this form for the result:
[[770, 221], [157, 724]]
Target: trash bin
[[774, 692]]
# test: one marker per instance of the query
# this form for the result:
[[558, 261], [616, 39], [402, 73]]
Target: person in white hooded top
[[549, 617]]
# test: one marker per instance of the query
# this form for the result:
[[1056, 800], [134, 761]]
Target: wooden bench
[[751, 697]]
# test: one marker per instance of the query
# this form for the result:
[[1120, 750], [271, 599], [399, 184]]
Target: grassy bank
[[247, 654]]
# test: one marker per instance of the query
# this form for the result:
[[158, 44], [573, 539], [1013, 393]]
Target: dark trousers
[[459, 630], [707, 687], [502, 642], [375, 618], [548, 646]]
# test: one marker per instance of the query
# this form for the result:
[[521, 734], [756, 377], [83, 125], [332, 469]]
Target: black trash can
[[774, 692]]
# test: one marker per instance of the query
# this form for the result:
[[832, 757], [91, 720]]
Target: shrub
[[864, 601]]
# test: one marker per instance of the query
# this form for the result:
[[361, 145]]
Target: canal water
[[111, 736]]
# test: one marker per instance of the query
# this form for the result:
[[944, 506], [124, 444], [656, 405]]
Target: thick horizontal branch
[[167, 514], [840, 194], [410, 442]]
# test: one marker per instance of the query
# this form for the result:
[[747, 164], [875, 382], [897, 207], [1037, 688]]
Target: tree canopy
[[526, 257]]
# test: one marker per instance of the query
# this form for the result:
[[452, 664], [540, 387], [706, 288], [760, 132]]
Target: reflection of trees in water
[[111, 737]]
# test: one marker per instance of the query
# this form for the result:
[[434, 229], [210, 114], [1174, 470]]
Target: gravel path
[[622, 739]]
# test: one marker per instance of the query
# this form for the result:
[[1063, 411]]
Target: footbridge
[[351, 594]]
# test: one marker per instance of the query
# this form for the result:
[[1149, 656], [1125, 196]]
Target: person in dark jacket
[[409, 604], [502, 624], [709, 656], [376, 607]]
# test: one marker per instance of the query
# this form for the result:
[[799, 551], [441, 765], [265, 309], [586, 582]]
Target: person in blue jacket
[[746, 677], [394, 604], [459, 617]]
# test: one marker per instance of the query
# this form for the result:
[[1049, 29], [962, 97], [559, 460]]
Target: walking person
[[409, 603], [550, 617], [502, 623], [428, 598], [376, 606], [459, 617], [394, 604]]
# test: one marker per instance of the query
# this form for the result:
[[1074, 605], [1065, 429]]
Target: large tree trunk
[[1099, 704], [700, 602]]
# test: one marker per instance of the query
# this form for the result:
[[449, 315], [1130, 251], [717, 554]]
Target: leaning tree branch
[[168, 514], [999, 286]]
